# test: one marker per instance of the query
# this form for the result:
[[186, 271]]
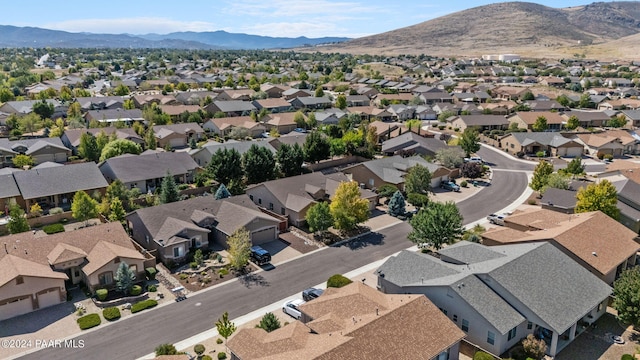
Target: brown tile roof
[[273, 102], [235, 121], [65, 252], [281, 119], [175, 110], [530, 117], [596, 140], [12, 266]]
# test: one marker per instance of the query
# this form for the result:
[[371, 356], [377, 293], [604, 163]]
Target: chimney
[[5, 248]]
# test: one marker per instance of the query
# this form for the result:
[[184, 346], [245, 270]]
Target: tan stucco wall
[[30, 286]]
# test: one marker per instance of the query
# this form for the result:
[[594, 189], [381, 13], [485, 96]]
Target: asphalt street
[[136, 336]]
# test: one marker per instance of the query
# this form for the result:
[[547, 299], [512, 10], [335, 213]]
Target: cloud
[[136, 25], [295, 29], [324, 9]]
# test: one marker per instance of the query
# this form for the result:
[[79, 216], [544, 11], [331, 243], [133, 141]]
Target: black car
[[259, 255], [311, 293]]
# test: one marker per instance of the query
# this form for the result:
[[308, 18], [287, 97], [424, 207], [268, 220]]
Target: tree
[[437, 224], [338, 281], [299, 119], [445, 115], [575, 167], [125, 276], [527, 96], [626, 295], [21, 160], [75, 110], [121, 90], [150, 140], [387, 190], [341, 102], [469, 141], [226, 166], [617, 122], [83, 207], [225, 326], [269, 322], [319, 92], [119, 147], [259, 164], [43, 109], [17, 221], [198, 257], [199, 349], [222, 192], [534, 348], [540, 124], [418, 180], [337, 147], [585, 101], [316, 147], [319, 217], [471, 170], [116, 212], [239, 248], [290, 159], [541, 175], [557, 181], [397, 204], [168, 190], [30, 123], [601, 196], [312, 122], [117, 190], [102, 139], [166, 349], [347, 207], [88, 147], [573, 122]]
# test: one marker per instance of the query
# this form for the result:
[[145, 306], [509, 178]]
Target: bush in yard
[[135, 290], [151, 273], [338, 281], [533, 347], [111, 313], [199, 349], [464, 184], [152, 288], [418, 200], [481, 355], [53, 228], [219, 341], [206, 357], [608, 157], [139, 306], [193, 265], [540, 154], [222, 356], [55, 210], [166, 349], [102, 294], [89, 321], [627, 357]]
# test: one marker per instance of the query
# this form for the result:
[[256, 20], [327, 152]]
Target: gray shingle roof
[[393, 168], [414, 141], [565, 199], [544, 138], [234, 106], [130, 168], [65, 179], [9, 187], [469, 253]]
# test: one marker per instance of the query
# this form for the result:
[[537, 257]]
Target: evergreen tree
[[290, 159], [150, 140], [397, 204], [88, 147], [125, 276], [116, 212], [225, 166], [168, 190], [316, 147], [259, 164], [222, 192], [269, 322]]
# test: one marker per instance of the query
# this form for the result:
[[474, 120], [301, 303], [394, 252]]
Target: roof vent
[[594, 253]]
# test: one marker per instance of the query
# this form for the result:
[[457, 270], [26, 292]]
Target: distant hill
[[521, 27], [13, 36]]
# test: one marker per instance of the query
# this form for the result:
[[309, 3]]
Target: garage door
[[176, 142], [574, 152], [49, 299], [263, 236], [15, 308], [45, 157]]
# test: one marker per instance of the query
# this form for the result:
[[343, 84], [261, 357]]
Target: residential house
[[480, 122], [526, 119], [329, 117], [371, 112], [100, 102], [633, 118], [145, 172], [237, 94], [273, 105], [356, 322], [282, 122], [224, 126], [358, 100], [195, 97], [40, 149], [618, 104], [24, 107], [552, 144], [171, 230], [401, 112], [231, 107], [293, 196], [202, 156], [273, 91], [509, 92], [599, 243], [71, 137], [177, 135], [35, 269], [141, 101], [545, 105], [412, 143], [588, 119], [55, 186], [391, 170], [114, 115], [293, 93], [291, 139], [9, 192], [500, 294], [177, 111], [401, 98], [311, 102], [600, 144]]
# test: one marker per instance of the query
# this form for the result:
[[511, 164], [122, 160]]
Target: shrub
[[222, 355], [206, 357], [183, 186], [56, 210], [53, 228], [183, 276], [193, 265], [464, 184], [151, 273], [533, 347], [223, 272], [218, 341], [199, 349], [600, 156], [152, 288], [89, 321], [418, 200], [456, 129], [135, 290], [338, 281], [166, 349], [441, 127], [481, 355], [608, 157], [139, 306], [102, 294], [540, 154], [520, 154], [111, 313], [627, 357], [532, 202]]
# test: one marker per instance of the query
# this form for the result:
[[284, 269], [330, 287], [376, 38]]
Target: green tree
[[337, 147], [540, 124], [121, 90], [341, 102], [387, 190], [6, 95], [601, 196], [88, 147], [198, 257], [117, 190], [338, 281], [168, 190], [626, 295], [312, 122], [150, 140], [445, 115], [83, 207], [290, 159], [116, 212], [199, 349], [585, 101], [225, 326], [397, 204], [437, 224], [319, 217], [527, 96], [469, 141], [573, 122], [557, 181], [617, 122], [43, 108], [239, 248], [102, 139], [575, 167], [226, 166], [166, 349], [21, 160], [299, 119], [222, 192], [564, 100], [259, 164], [17, 221], [125, 276], [129, 104], [269, 322], [75, 110], [541, 175], [418, 180], [319, 92], [30, 123], [316, 147], [119, 147], [347, 207]]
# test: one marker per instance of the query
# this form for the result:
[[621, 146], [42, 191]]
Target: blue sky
[[288, 18]]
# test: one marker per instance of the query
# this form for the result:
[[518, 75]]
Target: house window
[[259, 201], [105, 278], [134, 268], [371, 182], [251, 197], [512, 333], [177, 251], [491, 338], [282, 211], [270, 206], [77, 273], [116, 260], [146, 237], [455, 318], [511, 145], [465, 325], [529, 325], [19, 280], [599, 307]]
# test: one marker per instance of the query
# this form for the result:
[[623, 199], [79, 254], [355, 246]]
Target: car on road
[[291, 308], [311, 293], [450, 185], [474, 159], [259, 255], [497, 219], [300, 130]]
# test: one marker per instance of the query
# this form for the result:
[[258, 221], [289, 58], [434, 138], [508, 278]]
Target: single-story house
[[588, 119], [311, 102], [526, 119], [282, 122], [553, 144], [40, 149], [231, 107], [100, 102], [481, 122], [177, 135], [599, 144], [223, 126], [273, 105], [71, 137], [114, 115], [202, 156], [24, 107], [410, 142]]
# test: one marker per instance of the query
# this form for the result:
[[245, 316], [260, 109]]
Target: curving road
[[136, 336]]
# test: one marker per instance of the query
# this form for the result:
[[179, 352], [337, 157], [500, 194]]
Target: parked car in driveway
[[450, 185], [259, 255], [291, 308], [496, 219], [311, 293]]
